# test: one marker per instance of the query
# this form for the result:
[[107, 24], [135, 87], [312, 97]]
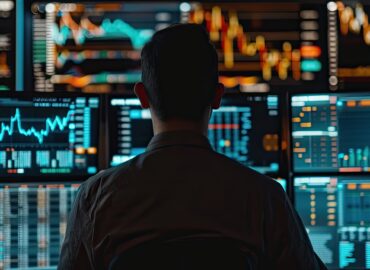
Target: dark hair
[[180, 71]]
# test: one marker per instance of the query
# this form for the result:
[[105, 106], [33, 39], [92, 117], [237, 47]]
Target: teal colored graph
[[355, 158], [50, 126], [108, 29]]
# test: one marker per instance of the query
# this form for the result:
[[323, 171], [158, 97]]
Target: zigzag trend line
[[50, 125], [228, 30], [108, 29]]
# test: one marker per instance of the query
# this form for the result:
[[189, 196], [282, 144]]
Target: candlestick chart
[[264, 44], [349, 29], [93, 46]]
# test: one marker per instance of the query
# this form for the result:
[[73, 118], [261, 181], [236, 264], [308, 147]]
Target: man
[[180, 187]]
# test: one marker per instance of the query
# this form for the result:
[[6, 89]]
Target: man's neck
[[179, 125]]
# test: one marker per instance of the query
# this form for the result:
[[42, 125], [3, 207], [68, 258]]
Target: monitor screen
[[336, 213], [33, 224], [49, 134], [7, 45], [331, 132], [95, 45], [245, 128], [130, 129], [349, 44], [266, 45]]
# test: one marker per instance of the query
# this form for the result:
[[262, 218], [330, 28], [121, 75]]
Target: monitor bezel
[[46, 178]]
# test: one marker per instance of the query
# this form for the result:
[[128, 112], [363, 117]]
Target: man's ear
[[140, 92], [216, 103]]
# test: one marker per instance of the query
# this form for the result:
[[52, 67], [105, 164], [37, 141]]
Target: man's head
[[180, 74]]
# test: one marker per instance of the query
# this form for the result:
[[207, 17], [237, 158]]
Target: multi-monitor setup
[[50, 143], [46, 134], [245, 128], [330, 142], [95, 45]]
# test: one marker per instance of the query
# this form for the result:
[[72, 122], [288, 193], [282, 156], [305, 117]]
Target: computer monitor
[[95, 45], [7, 45], [349, 44], [331, 132], [336, 213], [130, 129], [43, 134], [245, 128], [33, 223]]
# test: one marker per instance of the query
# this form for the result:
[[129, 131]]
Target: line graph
[[85, 29], [94, 46], [48, 134], [50, 125]]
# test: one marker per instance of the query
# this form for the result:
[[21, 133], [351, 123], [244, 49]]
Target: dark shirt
[[178, 188]]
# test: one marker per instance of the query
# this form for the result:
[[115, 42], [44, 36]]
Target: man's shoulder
[[98, 183], [244, 173]]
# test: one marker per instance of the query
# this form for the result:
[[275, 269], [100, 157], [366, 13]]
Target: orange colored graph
[[354, 20], [228, 31], [4, 68]]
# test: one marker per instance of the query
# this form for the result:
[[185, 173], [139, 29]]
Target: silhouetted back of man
[[180, 187]]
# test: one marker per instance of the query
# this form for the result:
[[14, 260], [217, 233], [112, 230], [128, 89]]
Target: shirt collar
[[185, 138]]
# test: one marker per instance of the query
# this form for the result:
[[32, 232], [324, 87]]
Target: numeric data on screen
[[33, 221], [331, 132], [49, 135], [94, 46], [130, 129], [246, 128], [336, 212]]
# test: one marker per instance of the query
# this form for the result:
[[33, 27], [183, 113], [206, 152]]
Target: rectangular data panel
[[331, 132], [336, 213], [49, 134], [349, 44], [7, 45], [33, 221], [93, 46], [245, 128], [130, 129], [266, 45]]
